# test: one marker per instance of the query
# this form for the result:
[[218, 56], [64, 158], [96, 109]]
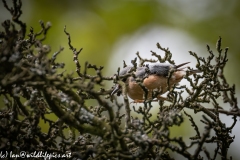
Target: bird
[[154, 78]]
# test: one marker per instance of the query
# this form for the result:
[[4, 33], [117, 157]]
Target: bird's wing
[[161, 69]]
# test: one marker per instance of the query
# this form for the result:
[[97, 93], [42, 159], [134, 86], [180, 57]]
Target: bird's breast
[[152, 82]]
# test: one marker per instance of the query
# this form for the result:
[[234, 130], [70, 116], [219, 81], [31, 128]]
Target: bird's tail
[[180, 65], [190, 72]]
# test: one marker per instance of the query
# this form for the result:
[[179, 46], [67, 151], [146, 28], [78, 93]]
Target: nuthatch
[[155, 78]]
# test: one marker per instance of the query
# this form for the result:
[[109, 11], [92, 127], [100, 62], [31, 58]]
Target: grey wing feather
[[158, 69], [161, 69]]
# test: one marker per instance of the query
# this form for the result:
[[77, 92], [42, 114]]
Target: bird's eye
[[124, 79]]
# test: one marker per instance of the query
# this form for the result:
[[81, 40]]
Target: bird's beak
[[117, 87]]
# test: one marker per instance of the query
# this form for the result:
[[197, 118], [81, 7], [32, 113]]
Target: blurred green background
[[112, 31], [98, 26]]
